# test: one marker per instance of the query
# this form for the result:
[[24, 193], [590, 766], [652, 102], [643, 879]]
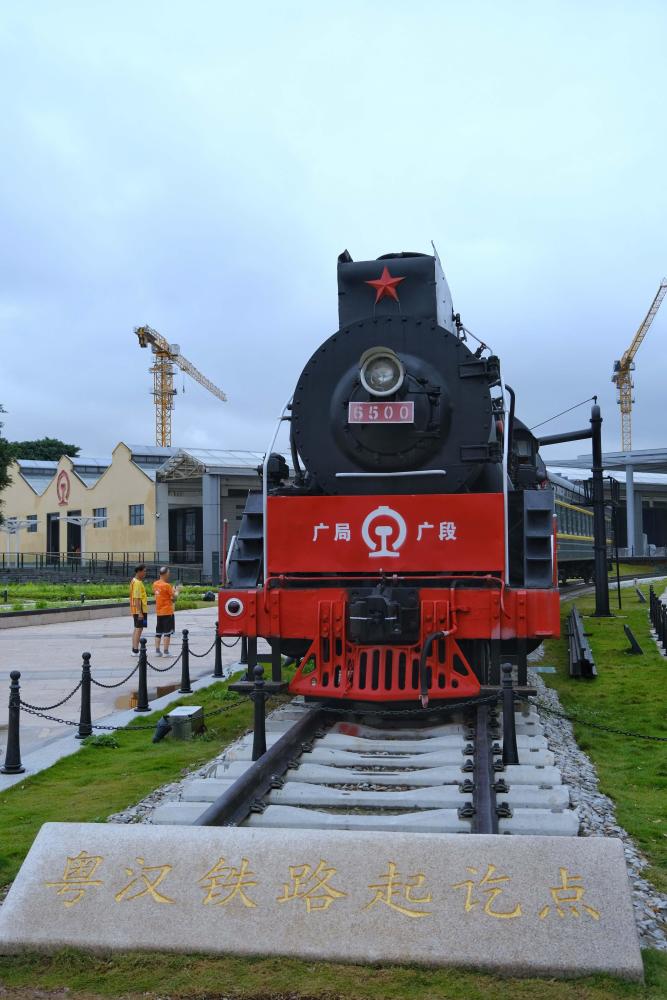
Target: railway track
[[335, 770]]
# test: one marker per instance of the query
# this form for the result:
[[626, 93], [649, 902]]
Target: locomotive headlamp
[[382, 371]]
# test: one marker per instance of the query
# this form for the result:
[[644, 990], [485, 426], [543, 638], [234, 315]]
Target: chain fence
[[101, 684], [129, 727]]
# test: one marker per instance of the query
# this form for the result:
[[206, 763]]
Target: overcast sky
[[199, 166]]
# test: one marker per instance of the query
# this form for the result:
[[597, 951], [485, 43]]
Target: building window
[[136, 513], [32, 527], [100, 512]]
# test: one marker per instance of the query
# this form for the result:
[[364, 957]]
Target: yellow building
[[142, 504]]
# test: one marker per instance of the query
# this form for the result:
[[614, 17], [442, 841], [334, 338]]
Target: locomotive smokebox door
[[382, 615]]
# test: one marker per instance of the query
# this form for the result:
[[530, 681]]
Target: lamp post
[[11, 528]]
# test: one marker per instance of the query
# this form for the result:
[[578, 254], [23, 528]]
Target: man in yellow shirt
[[138, 606], [165, 595]]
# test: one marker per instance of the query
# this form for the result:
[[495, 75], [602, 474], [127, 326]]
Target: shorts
[[140, 621], [165, 625]]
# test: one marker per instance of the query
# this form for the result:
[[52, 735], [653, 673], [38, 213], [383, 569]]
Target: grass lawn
[[630, 692], [168, 975], [98, 780], [633, 569], [40, 596]]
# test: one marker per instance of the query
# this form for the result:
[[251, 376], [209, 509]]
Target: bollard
[[252, 658], [244, 650], [259, 729], [5, 595], [663, 626], [217, 665], [13, 763], [85, 720], [142, 687], [510, 752], [185, 666]]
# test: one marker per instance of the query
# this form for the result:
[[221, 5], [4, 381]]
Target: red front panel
[[378, 534]]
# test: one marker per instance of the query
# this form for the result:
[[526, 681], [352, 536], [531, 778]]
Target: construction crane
[[166, 356], [622, 375]]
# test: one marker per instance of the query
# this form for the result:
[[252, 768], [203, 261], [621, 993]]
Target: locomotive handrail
[[229, 554], [506, 439], [383, 475], [265, 488]]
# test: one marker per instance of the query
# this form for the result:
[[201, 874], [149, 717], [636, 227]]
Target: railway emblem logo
[[62, 488], [383, 532]]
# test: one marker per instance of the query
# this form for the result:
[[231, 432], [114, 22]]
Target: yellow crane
[[166, 356], [623, 369]]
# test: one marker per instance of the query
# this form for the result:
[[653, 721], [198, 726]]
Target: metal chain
[[161, 670], [49, 708], [230, 645], [597, 725], [130, 729], [201, 655], [100, 684]]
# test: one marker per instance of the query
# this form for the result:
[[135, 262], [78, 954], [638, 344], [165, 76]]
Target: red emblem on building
[[385, 285], [62, 488]]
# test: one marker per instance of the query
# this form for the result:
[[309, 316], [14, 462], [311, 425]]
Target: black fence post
[[85, 720], [244, 650], [142, 686], [217, 665], [185, 666], [510, 752], [663, 626], [259, 728], [252, 658], [13, 763]]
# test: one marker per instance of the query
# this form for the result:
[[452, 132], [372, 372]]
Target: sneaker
[[135, 652], [158, 653]]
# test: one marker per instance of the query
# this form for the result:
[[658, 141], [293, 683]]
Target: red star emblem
[[385, 285]]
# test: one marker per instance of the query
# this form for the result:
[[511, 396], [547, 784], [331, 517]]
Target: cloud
[[200, 169]]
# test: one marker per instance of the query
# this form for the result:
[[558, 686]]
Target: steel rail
[[236, 803], [485, 819]]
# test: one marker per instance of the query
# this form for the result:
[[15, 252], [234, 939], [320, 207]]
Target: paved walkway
[[49, 658]]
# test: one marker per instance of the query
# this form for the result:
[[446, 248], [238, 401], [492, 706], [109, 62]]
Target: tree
[[5, 459], [45, 449]]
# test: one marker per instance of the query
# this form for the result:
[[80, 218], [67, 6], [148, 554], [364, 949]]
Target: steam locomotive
[[412, 547]]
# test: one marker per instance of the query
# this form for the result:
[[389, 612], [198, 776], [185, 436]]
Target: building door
[[185, 534], [73, 537], [53, 538]]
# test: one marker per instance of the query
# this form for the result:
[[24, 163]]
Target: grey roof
[[39, 484], [152, 450], [647, 458], [36, 463], [194, 462], [639, 478]]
